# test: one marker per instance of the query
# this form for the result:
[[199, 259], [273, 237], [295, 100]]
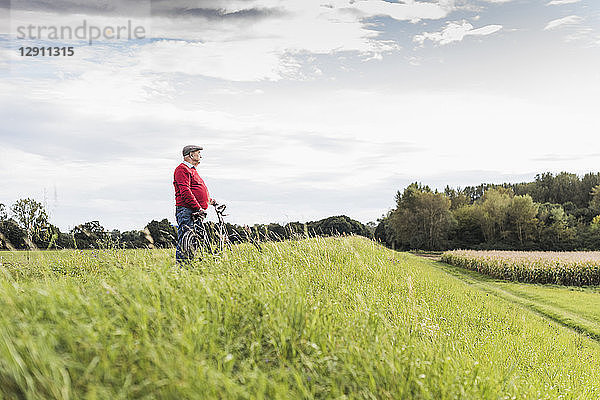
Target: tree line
[[26, 225], [554, 212]]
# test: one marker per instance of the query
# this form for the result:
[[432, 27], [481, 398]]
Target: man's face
[[195, 156]]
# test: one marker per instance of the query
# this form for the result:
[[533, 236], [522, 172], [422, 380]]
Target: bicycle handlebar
[[201, 214], [219, 208]]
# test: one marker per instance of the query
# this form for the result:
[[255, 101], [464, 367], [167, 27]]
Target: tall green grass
[[317, 318]]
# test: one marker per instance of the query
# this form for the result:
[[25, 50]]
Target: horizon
[[211, 214]]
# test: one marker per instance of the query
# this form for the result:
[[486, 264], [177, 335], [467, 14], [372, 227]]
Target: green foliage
[[467, 231], [275, 232], [32, 217], [49, 238], [163, 235], [319, 318], [554, 212], [492, 213], [557, 229], [422, 218], [89, 235], [133, 240], [296, 230], [521, 214], [11, 235], [28, 228], [458, 198], [594, 204], [385, 234], [3, 214], [339, 225]]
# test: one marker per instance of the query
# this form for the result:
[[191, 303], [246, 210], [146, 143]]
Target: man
[[191, 194]]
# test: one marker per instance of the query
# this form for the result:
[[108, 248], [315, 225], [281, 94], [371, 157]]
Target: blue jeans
[[184, 223]]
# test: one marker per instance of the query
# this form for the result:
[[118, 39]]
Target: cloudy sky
[[305, 108]]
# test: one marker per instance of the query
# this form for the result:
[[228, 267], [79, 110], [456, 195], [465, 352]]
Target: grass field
[[318, 318], [573, 306]]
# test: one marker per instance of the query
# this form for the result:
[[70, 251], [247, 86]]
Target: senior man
[[191, 194]]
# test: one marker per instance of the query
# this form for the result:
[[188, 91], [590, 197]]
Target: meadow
[[336, 317]]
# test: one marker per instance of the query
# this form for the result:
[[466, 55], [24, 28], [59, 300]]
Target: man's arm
[[183, 179]]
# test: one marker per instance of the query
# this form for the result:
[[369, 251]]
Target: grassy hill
[[317, 318]]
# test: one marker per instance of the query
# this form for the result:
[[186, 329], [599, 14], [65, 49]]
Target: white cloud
[[485, 30], [269, 48], [411, 10], [566, 21], [455, 32], [576, 30], [265, 48], [561, 2]]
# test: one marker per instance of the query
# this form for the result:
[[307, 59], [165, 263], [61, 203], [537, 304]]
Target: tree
[[565, 188], [556, 230], [32, 217], [588, 182], [3, 215], [422, 219], [275, 232], [65, 241], [89, 235], [12, 237], [371, 226], [594, 203], [49, 237], [467, 232], [133, 240], [457, 197], [295, 230], [491, 212], [521, 212], [380, 233], [338, 225], [163, 234], [384, 233]]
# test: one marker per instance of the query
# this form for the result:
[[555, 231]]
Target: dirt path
[[431, 255]]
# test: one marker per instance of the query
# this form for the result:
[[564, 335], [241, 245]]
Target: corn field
[[562, 268]]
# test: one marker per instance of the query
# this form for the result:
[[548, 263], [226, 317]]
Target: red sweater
[[190, 190]]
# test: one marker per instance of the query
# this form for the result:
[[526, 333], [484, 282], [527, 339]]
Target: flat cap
[[189, 148]]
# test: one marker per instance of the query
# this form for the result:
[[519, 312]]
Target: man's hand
[[199, 214]]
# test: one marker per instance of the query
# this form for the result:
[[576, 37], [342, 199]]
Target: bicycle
[[212, 241]]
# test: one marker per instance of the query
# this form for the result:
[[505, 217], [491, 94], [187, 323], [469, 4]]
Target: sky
[[305, 108]]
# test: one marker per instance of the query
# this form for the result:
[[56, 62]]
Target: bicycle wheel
[[191, 242]]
